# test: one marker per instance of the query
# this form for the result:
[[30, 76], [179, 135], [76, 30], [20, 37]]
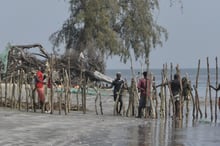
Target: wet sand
[[20, 128]]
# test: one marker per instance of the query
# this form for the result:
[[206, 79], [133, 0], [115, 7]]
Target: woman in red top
[[40, 85]]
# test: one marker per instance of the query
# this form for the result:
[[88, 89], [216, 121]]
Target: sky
[[194, 32]]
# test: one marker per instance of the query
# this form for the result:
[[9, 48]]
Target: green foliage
[[111, 27]]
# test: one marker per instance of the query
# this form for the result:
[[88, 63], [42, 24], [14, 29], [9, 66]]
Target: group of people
[[145, 85]]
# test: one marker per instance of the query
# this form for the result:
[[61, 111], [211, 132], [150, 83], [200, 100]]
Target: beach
[[21, 128]]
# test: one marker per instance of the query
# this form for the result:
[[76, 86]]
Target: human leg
[[41, 97]]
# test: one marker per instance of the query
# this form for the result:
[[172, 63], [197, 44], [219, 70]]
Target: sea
[[191, 73]]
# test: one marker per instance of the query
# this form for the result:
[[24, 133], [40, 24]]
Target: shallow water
[[77, 129]]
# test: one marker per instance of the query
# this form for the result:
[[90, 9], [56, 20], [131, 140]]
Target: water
[[191, 73], [78, 129]]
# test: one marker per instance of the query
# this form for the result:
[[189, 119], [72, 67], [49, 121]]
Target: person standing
[[175, 88], [144, 87], [40, 86], [118, 85]]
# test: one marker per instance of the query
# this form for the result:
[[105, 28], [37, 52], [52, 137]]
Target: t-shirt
[[117, 83], [144, 84], [175, 87], [40, 77]]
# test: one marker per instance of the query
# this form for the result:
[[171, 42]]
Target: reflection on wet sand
[[174, 133]]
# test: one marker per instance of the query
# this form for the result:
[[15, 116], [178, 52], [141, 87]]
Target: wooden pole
[[216, 93], [210, 95], [162, 95], [195, 87], [13, 93], [27, 93], [206, 97], [51, 66], [165, 91], [10, 90], [1, 90], [6, 92], [181, 91], [19, 89], [171, 77]]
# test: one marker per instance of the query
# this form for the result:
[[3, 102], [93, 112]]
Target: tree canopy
[[111, 27]]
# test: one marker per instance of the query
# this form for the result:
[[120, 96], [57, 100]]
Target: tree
[[111, 27]]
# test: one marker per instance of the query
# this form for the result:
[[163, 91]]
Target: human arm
[[216, 89]]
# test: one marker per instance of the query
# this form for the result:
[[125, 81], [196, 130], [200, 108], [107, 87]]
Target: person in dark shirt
[[118, 85], [175, 89]]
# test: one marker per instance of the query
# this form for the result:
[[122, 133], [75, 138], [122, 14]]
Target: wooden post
[[10, 91], [181, 90], [171, 77], [162, 95], [27, 93], [210, 95], [165, 90], [1, 90], [19, 88], [151, 100], [51, 64], [6, 92], [206, 97], [60, 98], [216, 93], [134, 89], [196, 93], [13, 93]]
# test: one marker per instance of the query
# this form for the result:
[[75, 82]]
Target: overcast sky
[[194, 32]]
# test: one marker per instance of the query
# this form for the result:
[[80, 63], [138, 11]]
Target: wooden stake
[[216, 93], [210, 95]]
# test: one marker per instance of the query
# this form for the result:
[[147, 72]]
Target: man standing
[[144, 87], [118, 84], [40, 86]]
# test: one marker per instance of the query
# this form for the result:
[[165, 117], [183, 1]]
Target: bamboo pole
[[206, 97], [27, 93], [10, 90], [60, 100], [162, 95], [66, 81], [84, 94], [165, 90], [155, 97], [6, 93], [197, 97], [51, 65], [13, 93], [151, 100], [171, 77], [196, 94], [1, 103], [216, 93], [134, 89], [147, 91], [96, 99], [20, 89], [210, 95], [181, 91], [100, 103]]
